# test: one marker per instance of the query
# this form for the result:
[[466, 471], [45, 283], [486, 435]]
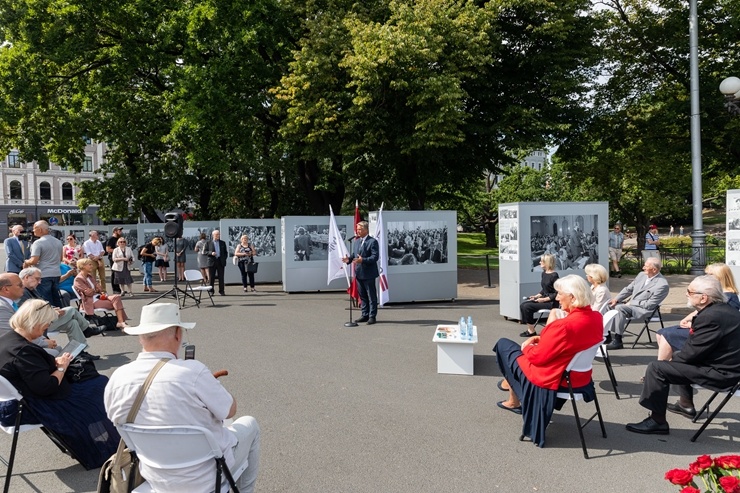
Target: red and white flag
[[337, 252], [352, 290], [380, 235]]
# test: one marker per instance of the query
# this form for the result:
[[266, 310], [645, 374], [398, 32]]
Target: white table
[[454, 356]]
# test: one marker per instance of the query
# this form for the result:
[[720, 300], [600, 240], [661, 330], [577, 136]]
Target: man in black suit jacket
[[365, 254], [217, 255], [710, 358]]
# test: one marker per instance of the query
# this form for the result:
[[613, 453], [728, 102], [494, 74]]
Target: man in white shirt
[[95, 251], [183, 392]]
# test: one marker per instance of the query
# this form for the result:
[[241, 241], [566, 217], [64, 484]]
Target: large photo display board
[[422, 254], [732, 244], [574, 232], [264, 235], [305, 252]]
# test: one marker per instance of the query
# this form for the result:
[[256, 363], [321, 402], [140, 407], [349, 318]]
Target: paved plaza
[[364, 410]]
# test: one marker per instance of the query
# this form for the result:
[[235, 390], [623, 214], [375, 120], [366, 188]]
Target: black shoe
[[649, 426], [528, 334], [89, 356], [93, 330], [677, 408], [608, 339], [362, 319], [371, 320], [619, 274], [615, 344], [222, 294]]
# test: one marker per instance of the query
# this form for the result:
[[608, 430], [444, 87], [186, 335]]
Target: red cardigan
[[544, 363]]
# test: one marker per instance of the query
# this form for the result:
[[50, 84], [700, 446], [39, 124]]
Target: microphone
[[352, 238]]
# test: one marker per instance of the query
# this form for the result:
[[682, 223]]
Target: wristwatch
[[60, 368]]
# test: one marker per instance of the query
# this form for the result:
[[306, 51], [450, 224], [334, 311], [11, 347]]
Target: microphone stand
[[351, 323]]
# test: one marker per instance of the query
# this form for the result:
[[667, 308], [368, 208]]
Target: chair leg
[[609, 370], [711, 417], [578, 421], [705, 407], [598, 413], [13, 447], [222, 467]]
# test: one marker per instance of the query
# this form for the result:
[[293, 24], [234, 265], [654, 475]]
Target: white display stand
[[454, 355], [310, 272], [732, 243], [523, 225], [420, 273], [266, 237]]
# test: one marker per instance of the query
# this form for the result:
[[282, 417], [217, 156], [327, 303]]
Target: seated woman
[[73, 411], [545, 299], [673, 338], [595, 274], [90, 293], [533, 371]]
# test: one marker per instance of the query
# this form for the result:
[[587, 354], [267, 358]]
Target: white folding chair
[[9, 393], [101, 312], [653, 318], [194, 276], [541, 314], [603, 352], [174, 447], [734, 391], [582, 362]]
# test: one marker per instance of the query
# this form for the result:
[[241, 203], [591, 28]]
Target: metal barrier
[[676, 260]]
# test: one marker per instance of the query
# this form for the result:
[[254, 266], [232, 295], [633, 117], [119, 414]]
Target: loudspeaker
[[173, 225]]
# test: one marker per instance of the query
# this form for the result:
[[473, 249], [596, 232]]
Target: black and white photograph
[[311, 241], [508, 233], [574, 240], [417, 242], [261, 237]]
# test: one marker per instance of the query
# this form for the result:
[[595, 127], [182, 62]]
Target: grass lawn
[[472, 251]]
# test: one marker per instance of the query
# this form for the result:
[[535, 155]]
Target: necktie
[[23, 249], [15, 306]]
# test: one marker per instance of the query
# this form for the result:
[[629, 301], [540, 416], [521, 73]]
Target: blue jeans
[[147, 268], [48, 289]]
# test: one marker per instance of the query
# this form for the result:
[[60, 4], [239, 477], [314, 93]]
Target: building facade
[[29, 194]]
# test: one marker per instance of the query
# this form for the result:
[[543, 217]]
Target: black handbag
[[81, 369], [252, 267]]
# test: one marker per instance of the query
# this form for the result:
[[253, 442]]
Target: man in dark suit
[[365, 253], [217, 255], [710, 358], [16, 250]]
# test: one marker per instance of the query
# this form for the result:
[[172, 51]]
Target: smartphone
[[189, 351]]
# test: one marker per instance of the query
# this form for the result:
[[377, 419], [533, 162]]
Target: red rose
[[690, 489], [704, 462], [730, 484], [681, 477], [728, 461]]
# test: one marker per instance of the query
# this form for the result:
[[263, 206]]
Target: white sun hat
[[158, 316]]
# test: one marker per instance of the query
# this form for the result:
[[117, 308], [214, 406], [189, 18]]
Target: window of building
[[67, 191], [45, 190], [16, 190], [87, 165], [13, 160]]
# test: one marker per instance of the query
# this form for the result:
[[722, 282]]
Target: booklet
[[74, 348]]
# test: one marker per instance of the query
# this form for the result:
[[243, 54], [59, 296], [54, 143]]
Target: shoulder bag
[[120, 473]]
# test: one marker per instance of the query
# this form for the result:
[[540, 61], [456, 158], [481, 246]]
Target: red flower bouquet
[[718, 475]]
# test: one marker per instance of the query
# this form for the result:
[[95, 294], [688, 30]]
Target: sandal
[[515, 410], [122, 325]]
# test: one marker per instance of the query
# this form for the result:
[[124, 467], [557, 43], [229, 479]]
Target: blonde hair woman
[[92, 296], [542, 300]]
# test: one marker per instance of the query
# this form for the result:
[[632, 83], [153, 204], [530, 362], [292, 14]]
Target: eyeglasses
[[692, 293]]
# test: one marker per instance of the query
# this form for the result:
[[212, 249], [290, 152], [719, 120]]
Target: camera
[[190, 351]]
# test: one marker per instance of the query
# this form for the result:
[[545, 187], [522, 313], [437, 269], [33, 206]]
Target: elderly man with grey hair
[[646, 292], [710, 358], [46, 254]]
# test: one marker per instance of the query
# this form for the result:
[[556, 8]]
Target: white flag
[[383, 258], [337, 251]]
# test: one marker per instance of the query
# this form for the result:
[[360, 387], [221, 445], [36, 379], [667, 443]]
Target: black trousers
[[529, 308], [212, 270], [116, 287], [247, 277], [660, 375]]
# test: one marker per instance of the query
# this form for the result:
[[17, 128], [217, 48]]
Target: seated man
[[647, 291], [71, 321], [11, 290], [65, 283], [710, 358], [184, 392]]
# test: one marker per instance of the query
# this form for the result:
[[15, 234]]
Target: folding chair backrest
[[583, 360], [170, 447], [8, 392], [608, 316], [77, 293], [193, 275]]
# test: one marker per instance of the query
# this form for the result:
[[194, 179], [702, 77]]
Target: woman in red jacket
[[534, 370]]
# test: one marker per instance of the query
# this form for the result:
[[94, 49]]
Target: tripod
[[176, 293]]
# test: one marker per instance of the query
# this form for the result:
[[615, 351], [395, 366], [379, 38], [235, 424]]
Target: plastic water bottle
[[462, 328], [470, 328]]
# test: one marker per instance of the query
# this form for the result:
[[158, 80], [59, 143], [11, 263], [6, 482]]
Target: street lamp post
[[698, 237]]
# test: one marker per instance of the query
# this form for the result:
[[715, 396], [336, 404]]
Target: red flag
[[352, 290]]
